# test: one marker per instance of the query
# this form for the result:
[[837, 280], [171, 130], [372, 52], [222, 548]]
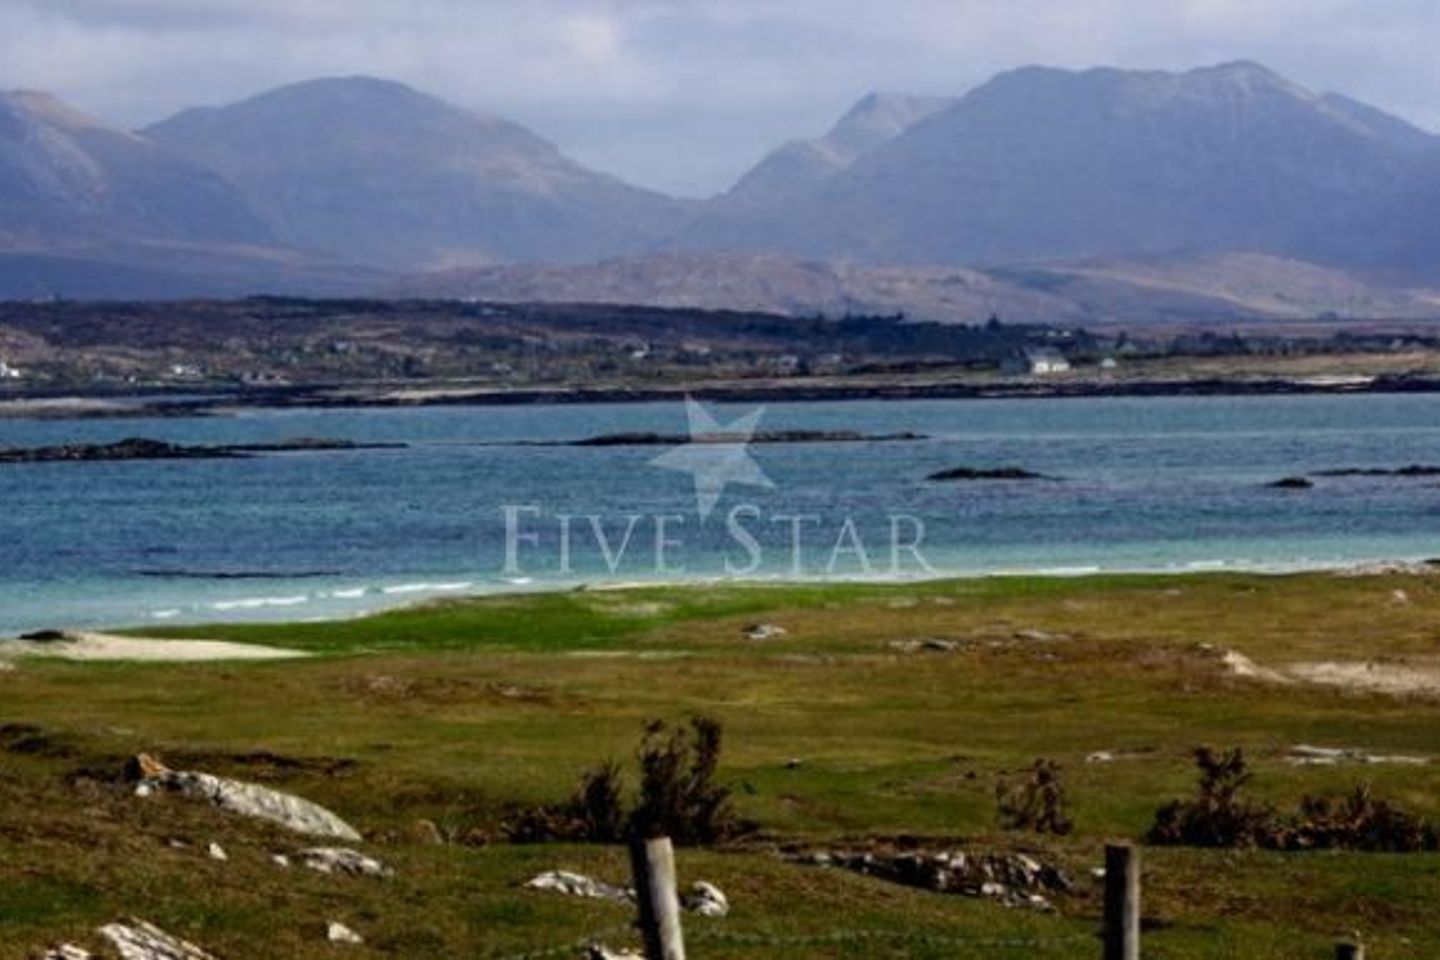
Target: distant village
[[267, 342]]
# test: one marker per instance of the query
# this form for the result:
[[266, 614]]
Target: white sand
[[104, 646]]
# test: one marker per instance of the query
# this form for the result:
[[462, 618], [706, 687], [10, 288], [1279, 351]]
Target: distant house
[[1035, 362], [8, 372]]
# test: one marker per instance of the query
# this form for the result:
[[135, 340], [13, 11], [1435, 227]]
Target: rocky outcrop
[[138, 940], [762, 436], [579, 885], [703, 898], [343, 860], [1014, 879], [987, 473], [1413, 470], [244, 799], [142, 448]]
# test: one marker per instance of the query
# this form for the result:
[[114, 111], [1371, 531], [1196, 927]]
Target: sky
[[685, 95]]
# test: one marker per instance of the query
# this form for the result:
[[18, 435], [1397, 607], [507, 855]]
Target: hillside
[[377, 173]]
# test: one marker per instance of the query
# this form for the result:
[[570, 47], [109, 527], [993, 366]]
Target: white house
[[1035, 362], [8, 372]]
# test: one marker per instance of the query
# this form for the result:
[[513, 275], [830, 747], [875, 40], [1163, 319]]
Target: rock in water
[[139, 940], [245, 799], [707, 900]]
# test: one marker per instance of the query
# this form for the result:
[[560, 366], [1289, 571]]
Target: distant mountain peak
[[376, 172], [802, 165], [48, 108]]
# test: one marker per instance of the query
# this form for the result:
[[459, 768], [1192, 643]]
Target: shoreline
[[410, 596], [195, 402]]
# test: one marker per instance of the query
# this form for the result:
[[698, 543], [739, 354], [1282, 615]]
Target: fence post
[[653, 863], [1122, 903], [1349, 951]]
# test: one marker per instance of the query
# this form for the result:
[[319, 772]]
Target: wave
[[253, 603], [428, 587]]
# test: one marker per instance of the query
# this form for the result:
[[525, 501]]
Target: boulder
[[706, 899], [67, 951], [597, 951], [1013, 879], [764, 631], [579, 885], [238, 797], [339, 933], [138, 940], [343, 860]]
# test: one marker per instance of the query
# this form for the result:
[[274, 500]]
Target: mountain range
[[1042, 193]]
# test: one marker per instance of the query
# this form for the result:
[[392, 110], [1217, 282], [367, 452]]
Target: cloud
[[685, 94]]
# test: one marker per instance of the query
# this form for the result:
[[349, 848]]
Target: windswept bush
[[679, 796], [594, 814], [1219, 817], [1035, 802]]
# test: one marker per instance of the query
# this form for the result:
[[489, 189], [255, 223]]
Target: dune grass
[[458, 712]]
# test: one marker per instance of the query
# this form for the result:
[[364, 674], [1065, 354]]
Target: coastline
[[381, 599], [192, 402]]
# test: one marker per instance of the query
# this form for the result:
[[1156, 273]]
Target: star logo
[[716, 456]]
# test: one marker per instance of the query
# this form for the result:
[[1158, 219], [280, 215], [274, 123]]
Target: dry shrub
[[679, 796], [1035, 802], [1219, 817]]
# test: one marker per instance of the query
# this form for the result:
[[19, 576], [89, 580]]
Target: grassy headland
[[458, 712]]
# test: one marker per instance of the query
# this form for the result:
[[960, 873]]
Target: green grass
[[457, 712]]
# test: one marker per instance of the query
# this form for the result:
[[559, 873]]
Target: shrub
[[679, 796], [1218, 817], [1035, 802], [594, 814]]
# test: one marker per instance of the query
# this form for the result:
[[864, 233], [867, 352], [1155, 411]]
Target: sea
[[477, 503]]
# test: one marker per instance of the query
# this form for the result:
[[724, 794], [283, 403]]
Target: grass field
[[456, 713]]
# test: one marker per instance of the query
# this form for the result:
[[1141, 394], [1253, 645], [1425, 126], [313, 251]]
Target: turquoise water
[[1152, 483]]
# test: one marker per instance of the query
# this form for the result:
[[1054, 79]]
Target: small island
[[143, 448], [987, 473]]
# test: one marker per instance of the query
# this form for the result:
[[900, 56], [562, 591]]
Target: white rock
[[1100, 756], [67, 951], [579, 885], [280, 860], [707, 900], [339, 933], [343, 860], [598, 951], [217, 852], [138, 940], [764, 631], [247, 799]]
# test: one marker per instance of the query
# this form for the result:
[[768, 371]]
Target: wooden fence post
[[1122, 903], [653, 864], [1349, 951]]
